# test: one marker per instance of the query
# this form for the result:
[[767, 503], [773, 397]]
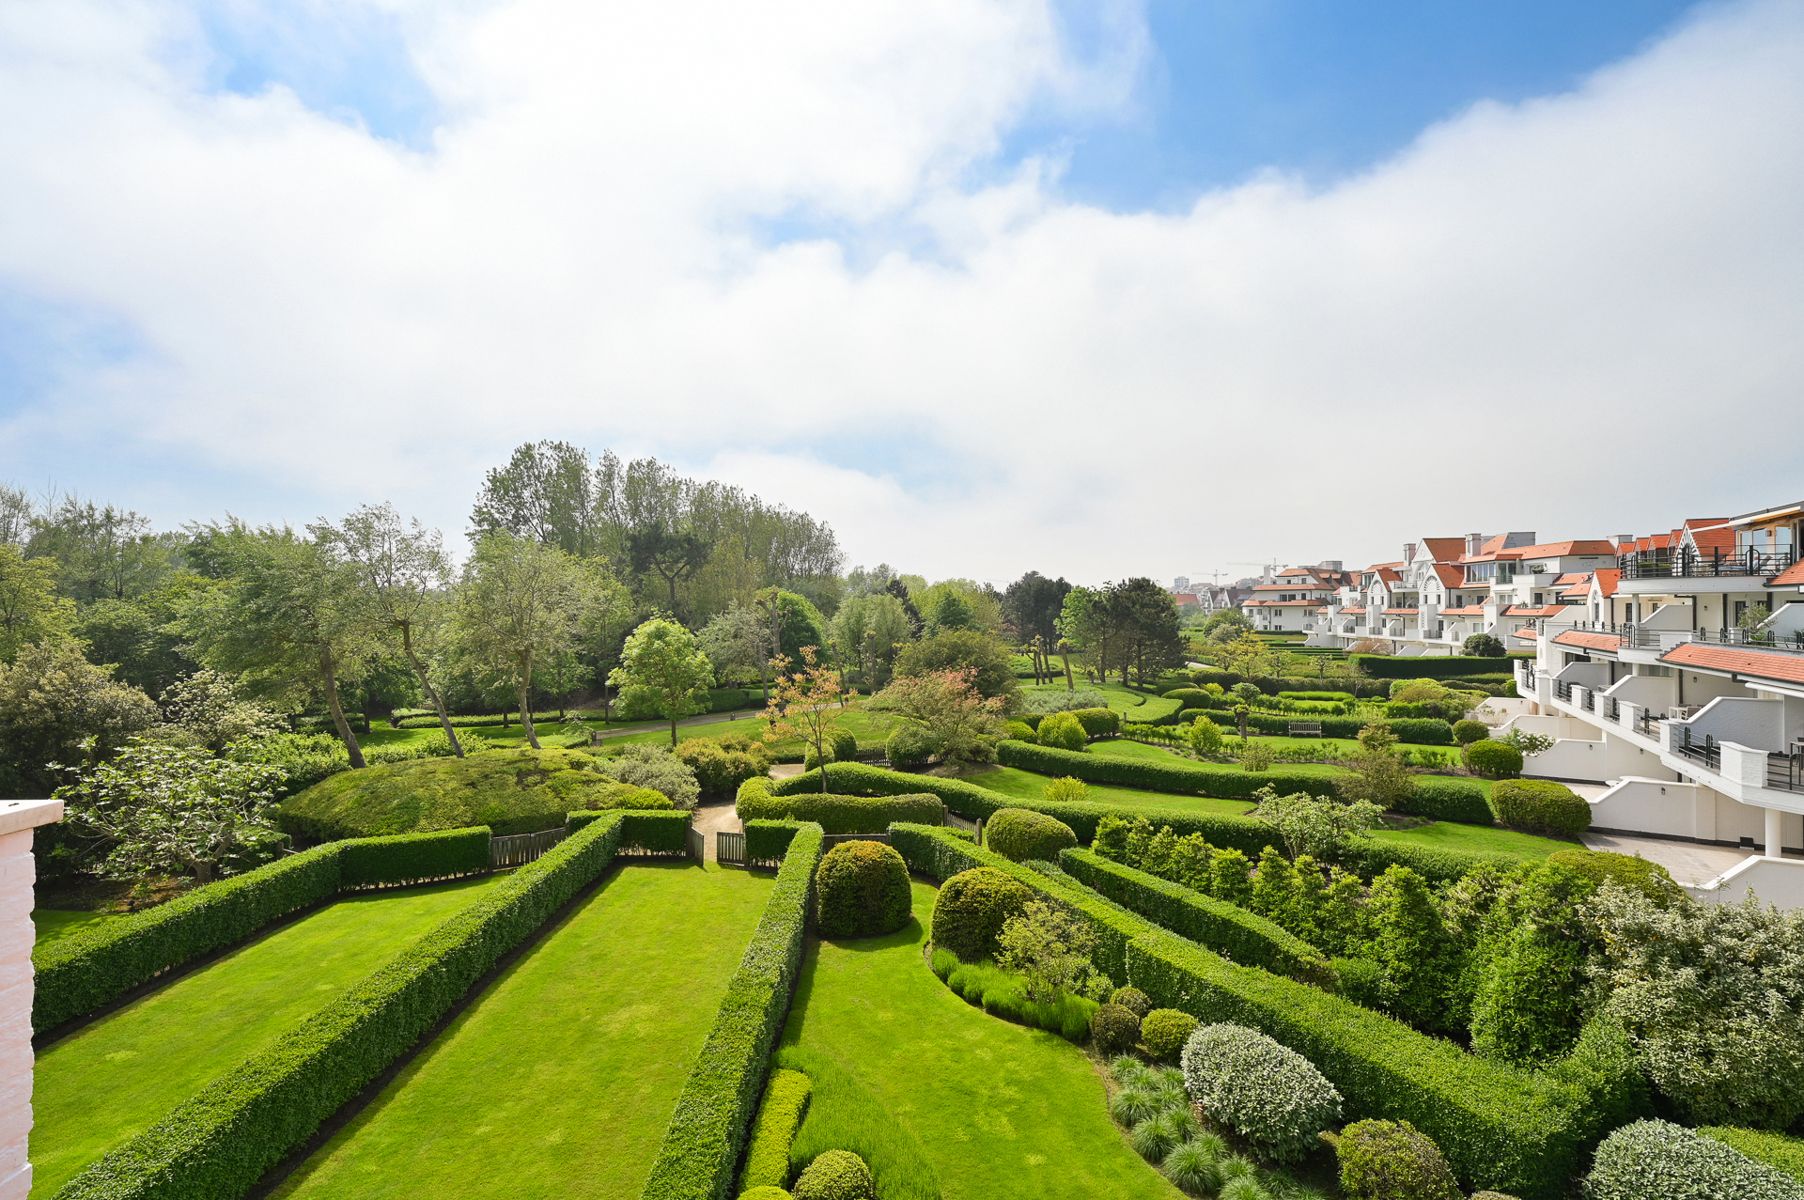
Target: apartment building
[[1287, 600], [1676, 678]]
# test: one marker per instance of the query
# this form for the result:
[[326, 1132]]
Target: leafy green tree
[[1225, 625], [1031, 607], [1411, 947], [1147, 618], [145, 636], [289, 618], [210, 710], [1248, 655], [405, 575], [547, 493], [664, 669], [869, 631], [1483, 645], [30, 609], [1379, 776], [520, 606], [959, 649], [738, 642], [58, 710], [1315, 825], [794, 622], [164, 809], [1052, 950], [102, 552], [962, 725]]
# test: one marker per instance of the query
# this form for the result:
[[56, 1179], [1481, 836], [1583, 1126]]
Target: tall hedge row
[[222, 1140], [837, 812], [1232, 931], [1500, 1127], [83, 972], [702, 1143], [1195, 779], [1385, 666], [1415, 731]]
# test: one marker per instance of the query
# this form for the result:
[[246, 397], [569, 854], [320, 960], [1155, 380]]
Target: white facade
[[18, 876], [1288, 601], [1682, 687]]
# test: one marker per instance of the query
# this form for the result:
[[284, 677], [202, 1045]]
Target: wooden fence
[[729, 848], [518, 849]]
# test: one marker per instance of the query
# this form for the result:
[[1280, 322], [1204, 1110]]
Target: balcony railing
[[1709, 751], [1641, 638], [1762, 564], [1562, 691], [1785, 772]]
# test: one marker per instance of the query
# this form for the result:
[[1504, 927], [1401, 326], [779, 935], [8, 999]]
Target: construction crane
[[1270, 568]]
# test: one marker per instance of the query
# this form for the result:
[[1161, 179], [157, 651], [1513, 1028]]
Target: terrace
[[1748, 563], [1741, 740]]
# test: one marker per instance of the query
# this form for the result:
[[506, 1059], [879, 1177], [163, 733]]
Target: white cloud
[[1458, 339]]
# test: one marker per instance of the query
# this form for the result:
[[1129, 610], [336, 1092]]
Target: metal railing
[[1562, 691], [1660, 639], [1709, 751], [1785, 772], [1648, 725], [1761, 564]]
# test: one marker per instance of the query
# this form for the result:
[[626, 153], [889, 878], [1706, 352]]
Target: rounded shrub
[[1657, 1160], [1163, 1032], [1493, 760], [1638, 874], [1062, 731], [836, 1175], [1018, 731], [1541, 806], [1467, 731], [1271, 1096], [1065, 790], [971, 908], [845, 746], [765, 1191], [1132, 999], [1392, 1160], [861, 889], [1114, 1030], [1022, 835], [907, 747]]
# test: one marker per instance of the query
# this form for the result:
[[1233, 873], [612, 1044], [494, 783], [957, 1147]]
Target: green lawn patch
[[931, 1086], [560, 1078], [54, 923], [1026, 785], [1448, 835], [1144, 752], [114, 1078]]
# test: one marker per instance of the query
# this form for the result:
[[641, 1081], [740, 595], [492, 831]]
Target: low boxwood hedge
[[838, 812], [1446, 798], [1184, 778], [779, 1116], [92, 968], [1232, 931], [701, 1144], [222, 1140], [1386, 666], [1418, 731], [1502, 1127], [1541, 806]]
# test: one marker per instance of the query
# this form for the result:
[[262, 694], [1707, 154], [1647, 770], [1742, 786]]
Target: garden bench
[[1305, 729]]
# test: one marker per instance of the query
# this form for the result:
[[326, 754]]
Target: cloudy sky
[[1092, 288]]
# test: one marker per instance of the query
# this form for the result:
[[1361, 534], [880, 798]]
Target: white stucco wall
[[18, 875]]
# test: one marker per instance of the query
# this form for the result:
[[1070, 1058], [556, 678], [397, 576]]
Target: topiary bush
[[845, 745], [971, 909], [1023, 835], [1494, 760], [1269, 1095], [1163, 1032], [1114, 1029], [1541, 806], [765, 1191], [1657, 1160], [1468, 731], [1637, 874], [836, 1175], [861, 890], [1132, 999], [1062, 731], [722, 764], [1392, 1160], [908, 746], [1020, 731]]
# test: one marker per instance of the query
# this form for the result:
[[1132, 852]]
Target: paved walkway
[[1692, 863], [711, 819]]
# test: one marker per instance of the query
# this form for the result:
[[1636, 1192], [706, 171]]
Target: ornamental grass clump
[[1270, 1096]]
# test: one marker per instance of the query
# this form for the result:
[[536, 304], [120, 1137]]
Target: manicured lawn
[[997, 1111], [560, 1078], [1450, 835], [54, 923], [117, 1076], [1026, 785], [1123, 748]]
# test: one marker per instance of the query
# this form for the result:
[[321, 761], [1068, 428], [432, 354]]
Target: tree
[[738, 642], [165, 809], [806, 703], [547, 493], [101, 551], [30, 610], [16, 513], [1379, 774], [958, 649], [1248, 655], [868, 631], [961, 724], [1225, 624], [1031, 606], [794, 622], [916, 623], [289, 618], [519, 608], [672, 554], [1412, 947], [1315, 825], [146, 635], [404, 575], [1483, 645], [1052, 950], [1146, 618], [58, 710], [209, 710], [664, 669]]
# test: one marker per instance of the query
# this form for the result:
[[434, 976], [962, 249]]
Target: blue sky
[[250, 261]]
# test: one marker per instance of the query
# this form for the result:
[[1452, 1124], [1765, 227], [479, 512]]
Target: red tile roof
[[1710, 534], [1761, 664], [1449, 575], [1401, 612], [1353, 612], [1607, 578], [1390, 574], [1529, 634], [1583, 640], [1445, 549], [1561, 549], [1469, 610], [1793, 576], [1281, 603], [1523, 610]]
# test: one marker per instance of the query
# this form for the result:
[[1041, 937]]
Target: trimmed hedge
[[1777, 1150], [1541, 806], [1271, 685], [1023, 834], [785, 1104], [1387, 666], [1446, 798], [702, 1143], [1501, 1127], [1416, 731], [861, 890], [840, 813], [1178, 776], [92, 968], [1228, 929], [1493, 760], [222, 1140]]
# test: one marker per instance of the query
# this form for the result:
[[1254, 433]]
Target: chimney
[[1409, 552], [1623, 539], [1473, 542]]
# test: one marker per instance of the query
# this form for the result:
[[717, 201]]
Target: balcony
[[1689, 564], [1735, 738]]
